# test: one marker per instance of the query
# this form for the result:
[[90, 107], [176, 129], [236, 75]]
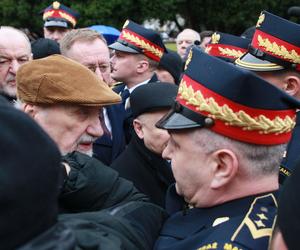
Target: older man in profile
[[15, 50], [228, 130], [64, 98]]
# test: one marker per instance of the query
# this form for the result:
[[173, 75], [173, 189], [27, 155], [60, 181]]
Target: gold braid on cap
[[47, 14], [142, 43], [207, 50], [278, 50], [240, 119], [230, 52], [68, 17]]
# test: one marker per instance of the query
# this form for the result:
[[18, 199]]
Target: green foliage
[[232, 16]]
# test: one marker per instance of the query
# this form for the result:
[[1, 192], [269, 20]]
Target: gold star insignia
[[259, 223], [262, 216]]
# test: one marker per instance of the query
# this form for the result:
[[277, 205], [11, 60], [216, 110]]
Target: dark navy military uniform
[[135, 39], [274, 47], [289, 161], [244, 223], [237, 104]]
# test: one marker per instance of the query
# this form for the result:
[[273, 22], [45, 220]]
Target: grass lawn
[[171, 46]]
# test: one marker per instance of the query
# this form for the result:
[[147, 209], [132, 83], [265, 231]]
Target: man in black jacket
[[141, 162], [50, 90], [31, 179]]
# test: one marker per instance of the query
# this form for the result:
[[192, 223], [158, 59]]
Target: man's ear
[[142, 66], [138, 128], [30, 109], [224, 169], [292, 85]]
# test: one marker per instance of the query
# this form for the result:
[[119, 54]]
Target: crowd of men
[[131, 145]]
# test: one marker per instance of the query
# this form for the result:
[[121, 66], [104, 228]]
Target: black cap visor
[[253, 63], [180, 117], [124, 47]]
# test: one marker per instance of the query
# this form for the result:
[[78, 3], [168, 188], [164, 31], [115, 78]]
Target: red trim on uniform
[[146, 52], [253, 136], [278, 41], [214, 51]]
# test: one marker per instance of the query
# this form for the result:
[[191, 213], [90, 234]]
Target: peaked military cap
[[227, 47], [232, 102], [134, 38], [275, 45], [152, 97], [59, 15]]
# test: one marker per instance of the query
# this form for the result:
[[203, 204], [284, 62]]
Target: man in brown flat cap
[[64, 97]]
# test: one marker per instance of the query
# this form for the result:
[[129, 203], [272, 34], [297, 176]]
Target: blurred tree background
[[232, 16]]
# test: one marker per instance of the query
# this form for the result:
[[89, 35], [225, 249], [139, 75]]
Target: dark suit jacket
[[149, 172], [128, 119], [106, 149]]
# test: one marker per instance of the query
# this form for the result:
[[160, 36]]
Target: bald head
[[184, 39], [10, 34], [15, 50]]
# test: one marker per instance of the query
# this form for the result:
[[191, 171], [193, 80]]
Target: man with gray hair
[[89, 48], [15, 50], [185, 39], [228, 130]]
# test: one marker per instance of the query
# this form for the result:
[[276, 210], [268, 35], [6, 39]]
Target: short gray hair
[[253, 158]]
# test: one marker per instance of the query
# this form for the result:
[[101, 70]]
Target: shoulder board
[[257, 226]]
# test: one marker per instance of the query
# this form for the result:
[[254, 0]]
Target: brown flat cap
[[57, 79]]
